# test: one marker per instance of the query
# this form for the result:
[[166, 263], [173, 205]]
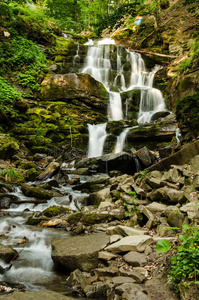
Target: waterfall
[[120, 140], [97, 136], [110, 67]]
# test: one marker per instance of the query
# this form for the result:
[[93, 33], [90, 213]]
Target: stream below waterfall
[[127, 75], [34, 267]]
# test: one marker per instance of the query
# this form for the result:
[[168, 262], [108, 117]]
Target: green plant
[[10, 174], [193, 55], [143, 174], [8, 97], [130, 208], [185, 263]]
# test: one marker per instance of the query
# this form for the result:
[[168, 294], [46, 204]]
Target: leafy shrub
[[194, 55], [185, 263], [8, 97], [10, 174]]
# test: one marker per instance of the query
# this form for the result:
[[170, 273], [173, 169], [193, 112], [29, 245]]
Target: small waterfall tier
[[122, 73]]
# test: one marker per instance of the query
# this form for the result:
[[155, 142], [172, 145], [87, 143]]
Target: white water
[[100, 65], [121, 140], [97, 136], [34, 266]]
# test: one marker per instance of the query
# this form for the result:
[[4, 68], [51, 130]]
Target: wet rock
[[5, 202], [9, 147], [135, 259], [122, 161], [76, 280], [79, 252], [97, 290], [50, 171], [98, 197], [38, 192], [7, 253], [131, 243], [91, 215], [146, 156], [39, 295]]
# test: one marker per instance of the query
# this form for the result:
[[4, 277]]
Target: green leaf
[[163, 246], [173, 228]]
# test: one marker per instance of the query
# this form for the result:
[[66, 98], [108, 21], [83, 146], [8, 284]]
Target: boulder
[[79, 89], [92, 215], [97, 290], [38, 192], [167, 194], [156, 207], [125, 231], [174, 217], [79, 252], [39, 295], [146, 156], [135, 259], [7, 253], [129, 291], [122, 161], [50, 171], [137, 273], [131, 243], [76, 280]]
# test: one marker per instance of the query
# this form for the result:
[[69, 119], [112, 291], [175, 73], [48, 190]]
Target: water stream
[[34, 267], [100, 64]]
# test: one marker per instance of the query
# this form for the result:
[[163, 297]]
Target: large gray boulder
[[131, 243], [79, 252]]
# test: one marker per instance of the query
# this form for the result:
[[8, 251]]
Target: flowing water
[[113, 73], [34, 266]]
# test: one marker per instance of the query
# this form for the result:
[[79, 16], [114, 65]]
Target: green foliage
[[115, 18], [143, 174], [130, 209], [185, 264], [8, 97], [194, 55], [163, 246], [10, 174]]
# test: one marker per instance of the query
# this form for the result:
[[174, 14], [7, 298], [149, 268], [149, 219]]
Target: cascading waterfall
[[97, 136], [98, 64], [120, 140]]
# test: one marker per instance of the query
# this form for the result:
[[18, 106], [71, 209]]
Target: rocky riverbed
[[107, 224]]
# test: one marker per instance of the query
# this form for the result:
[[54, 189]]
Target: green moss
[[74, 218], [54, 210]]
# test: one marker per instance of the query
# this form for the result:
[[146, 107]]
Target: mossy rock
[[55, 210], [8, 147], [38, 192], [74, 218], [7, 253], [31, 174]]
